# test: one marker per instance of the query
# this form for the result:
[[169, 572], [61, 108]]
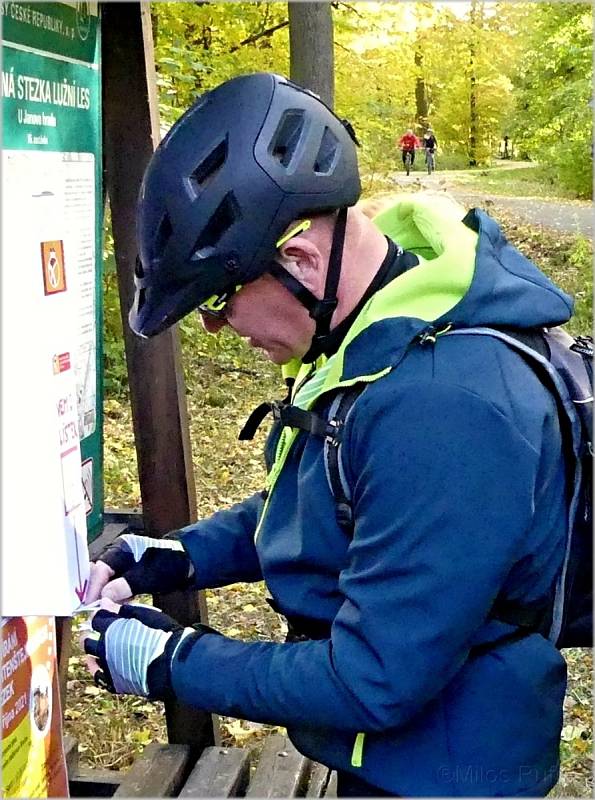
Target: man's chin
[[277, 356], [271, 354]]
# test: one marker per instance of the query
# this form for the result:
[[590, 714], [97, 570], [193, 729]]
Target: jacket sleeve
[[221, 547], [443, 491]]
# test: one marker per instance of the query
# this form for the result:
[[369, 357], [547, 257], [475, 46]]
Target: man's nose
[[212, 325]]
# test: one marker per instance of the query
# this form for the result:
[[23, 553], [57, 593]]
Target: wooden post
[[131, 133], [311, 48]]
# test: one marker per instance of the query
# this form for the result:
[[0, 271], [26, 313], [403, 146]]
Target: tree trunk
[[155, 375], [311, 48], [472, 113], [476, 20], [421, 98]]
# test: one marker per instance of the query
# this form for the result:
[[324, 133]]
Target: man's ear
[[302, 259]]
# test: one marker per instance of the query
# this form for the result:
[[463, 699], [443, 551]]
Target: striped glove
[[149, 565], [135, 648]]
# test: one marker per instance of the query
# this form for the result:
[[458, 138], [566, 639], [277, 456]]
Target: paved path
[[568, 216]]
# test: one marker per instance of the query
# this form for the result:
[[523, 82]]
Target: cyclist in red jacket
[[408, 144]]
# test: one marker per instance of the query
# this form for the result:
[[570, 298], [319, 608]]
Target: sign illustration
[[52, 261]]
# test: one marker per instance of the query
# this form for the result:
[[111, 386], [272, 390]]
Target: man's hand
[[139, 565], [133, 652]]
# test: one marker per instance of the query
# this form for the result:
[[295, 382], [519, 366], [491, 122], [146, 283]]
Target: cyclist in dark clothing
[[430, 142]]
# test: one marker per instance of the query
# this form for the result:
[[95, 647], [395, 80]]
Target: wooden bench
[[168, 770]]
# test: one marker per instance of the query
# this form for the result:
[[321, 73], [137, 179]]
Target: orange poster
[[33, 763]]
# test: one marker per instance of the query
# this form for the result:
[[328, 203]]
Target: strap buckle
[[324, 309], [334, 432]]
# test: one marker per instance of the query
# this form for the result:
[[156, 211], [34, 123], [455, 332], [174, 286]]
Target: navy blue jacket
[[454, 461]]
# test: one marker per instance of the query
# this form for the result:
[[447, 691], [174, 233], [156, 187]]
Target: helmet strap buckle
[[324, 309]]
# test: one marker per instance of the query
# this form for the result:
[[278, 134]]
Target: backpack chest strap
[[291, 416]]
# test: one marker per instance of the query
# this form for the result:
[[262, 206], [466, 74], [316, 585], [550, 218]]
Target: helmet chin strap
[[321, 311]]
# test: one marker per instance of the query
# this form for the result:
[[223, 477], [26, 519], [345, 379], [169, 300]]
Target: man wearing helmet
[[404, 669]]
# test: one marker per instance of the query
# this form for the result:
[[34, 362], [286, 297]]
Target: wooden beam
[[63, 650], [157, 394], [131, 133]]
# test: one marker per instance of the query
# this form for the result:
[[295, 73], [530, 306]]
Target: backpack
[[564, 365]]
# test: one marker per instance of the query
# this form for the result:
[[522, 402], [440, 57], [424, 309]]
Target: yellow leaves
[[113, 408], [243, 733], [142, 737], [581, 745], [237, 730], [92, 691]]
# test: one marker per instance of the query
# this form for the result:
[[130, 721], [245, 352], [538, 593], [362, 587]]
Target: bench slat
[[331, 789], [281, 771], [94, 783], [159, 772], [71, 754], [219, 772], [319, 780]]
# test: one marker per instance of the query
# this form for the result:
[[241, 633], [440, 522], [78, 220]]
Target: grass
[[225, 380], [529, 181], [502, 178]]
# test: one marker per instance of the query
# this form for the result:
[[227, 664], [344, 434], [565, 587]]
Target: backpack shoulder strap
[[573, 360], [545, 359], [564, 392], [337, 480]]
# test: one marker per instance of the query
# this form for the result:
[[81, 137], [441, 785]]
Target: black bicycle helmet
[[235, 170]]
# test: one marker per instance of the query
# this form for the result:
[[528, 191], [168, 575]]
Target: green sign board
[[51, 103]]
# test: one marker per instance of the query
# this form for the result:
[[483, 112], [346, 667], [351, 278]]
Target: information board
[[51, 98], [33, 763]]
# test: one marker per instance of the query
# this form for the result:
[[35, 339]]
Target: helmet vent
[[287, 136], [223, 218], [327, 154], [140, 299], [164, 231], [209, 167]]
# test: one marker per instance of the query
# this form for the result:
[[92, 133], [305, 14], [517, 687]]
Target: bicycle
[[408, 161], [430, 160]]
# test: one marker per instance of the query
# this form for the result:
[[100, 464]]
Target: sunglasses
[[216, 305]]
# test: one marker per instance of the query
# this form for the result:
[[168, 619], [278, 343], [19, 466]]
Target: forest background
[[473, 71]]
